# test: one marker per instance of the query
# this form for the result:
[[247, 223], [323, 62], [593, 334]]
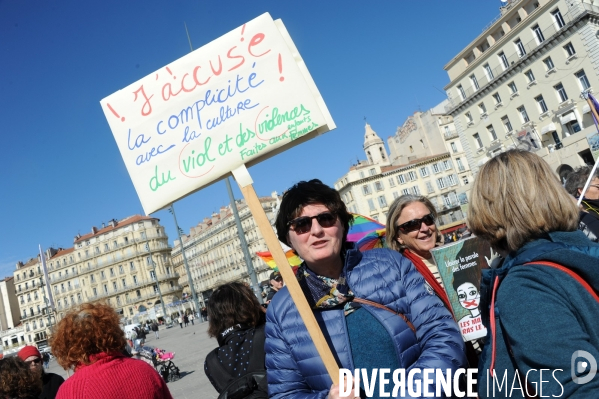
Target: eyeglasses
[[303, 224], [415, 224], [36, 361], [278, 278]]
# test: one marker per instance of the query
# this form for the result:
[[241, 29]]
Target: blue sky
[[62, 172]]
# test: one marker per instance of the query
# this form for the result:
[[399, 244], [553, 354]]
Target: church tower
[[374, 147]]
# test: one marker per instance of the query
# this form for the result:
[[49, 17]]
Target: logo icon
[[578, 367]]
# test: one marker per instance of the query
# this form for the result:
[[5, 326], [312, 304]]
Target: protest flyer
[[460, 264]]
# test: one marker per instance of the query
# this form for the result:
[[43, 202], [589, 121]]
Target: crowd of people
[[380, 309], [388, 308]]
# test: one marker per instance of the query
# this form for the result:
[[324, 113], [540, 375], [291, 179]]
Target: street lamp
[[157, 281]]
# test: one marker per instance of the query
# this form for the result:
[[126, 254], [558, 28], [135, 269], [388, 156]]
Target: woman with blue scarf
[[346, 288]]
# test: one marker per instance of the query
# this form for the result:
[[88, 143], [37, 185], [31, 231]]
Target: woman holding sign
[[540, 306], [345, 288]]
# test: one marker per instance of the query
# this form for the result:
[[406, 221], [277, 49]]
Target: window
[[115, 245], [92, 278], [111, 272], [114, 285], [378, 185], [538, 34], [429, 187], [548, 63], [569, 49], [424, 171], [95, 291], [492, 133], [415, 190], [105, 289], [412, 175], [482, 108], [102, 274], [474, 82], [371, 205], [479, 143], [447, 164], [105, 247], [530, 76], [506, 124], [124, 283], [361, 174], [395, 195], [582, 79], [401, 179], [468, 116], [461, 91], [561, 92], [97, 249], [512, 87], [453, 180], [372, 172], [488, 71], [382, 201], [441, 183], [520, 48], [541, 103], [134, 279], [131, 266], [557, 17], [405, 191], [391, 182], [454, 147], [497, 98], [152, 275], [436, 168], [121, 271], [366, 189], [465, 180], [458, 161], [503, 59], [523, 114]]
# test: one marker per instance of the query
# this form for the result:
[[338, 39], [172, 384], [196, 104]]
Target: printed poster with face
[[460, 264]]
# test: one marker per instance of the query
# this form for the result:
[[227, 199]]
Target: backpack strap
[[378, 305], [572, 274], [218, 374], [257, 352]]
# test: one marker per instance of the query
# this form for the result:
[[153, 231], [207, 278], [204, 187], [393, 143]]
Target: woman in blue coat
[[540, 305], [314, 221]]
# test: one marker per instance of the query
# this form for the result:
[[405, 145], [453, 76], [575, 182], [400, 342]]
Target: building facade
[[213, 249], [522, 82], [126, 263], [370, 187]]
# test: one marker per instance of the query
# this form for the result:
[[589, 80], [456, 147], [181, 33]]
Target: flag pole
[[591, 101]]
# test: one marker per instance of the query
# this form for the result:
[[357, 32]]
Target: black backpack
[[252, 385]]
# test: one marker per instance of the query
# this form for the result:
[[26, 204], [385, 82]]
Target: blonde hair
[[516, 198], [395, 211]]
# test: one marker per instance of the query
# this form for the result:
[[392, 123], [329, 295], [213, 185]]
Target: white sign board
[[236, 101]]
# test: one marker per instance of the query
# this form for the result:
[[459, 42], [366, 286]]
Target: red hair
[[90, 329]]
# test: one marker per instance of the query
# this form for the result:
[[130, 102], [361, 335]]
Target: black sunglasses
[[415, 224], [36, 361], [303, 224]]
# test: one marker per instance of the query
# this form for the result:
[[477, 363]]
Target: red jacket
[[114, 376]]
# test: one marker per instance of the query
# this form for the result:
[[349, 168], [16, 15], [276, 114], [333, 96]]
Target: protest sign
[[460, 266], [235, 101], [593, 140]]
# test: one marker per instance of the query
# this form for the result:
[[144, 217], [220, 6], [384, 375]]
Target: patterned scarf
[[325, 292]]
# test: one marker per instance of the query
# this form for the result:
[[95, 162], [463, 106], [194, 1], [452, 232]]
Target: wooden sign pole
[[244, 180]]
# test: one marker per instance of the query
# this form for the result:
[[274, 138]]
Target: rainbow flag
[[292, 258]]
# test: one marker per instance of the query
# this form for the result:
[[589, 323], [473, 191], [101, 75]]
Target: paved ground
[[191, 345]]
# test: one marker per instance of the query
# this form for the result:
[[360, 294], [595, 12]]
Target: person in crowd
[[180, 320], [541, 316], [205, 313], [141, 336], [46, 360], [589, 213], [34, 359], [344, 288], [18, 381], [237, 322], [186, 320], [190, 317], [276, 283], [411, 230], [155, 329], [89, 341]]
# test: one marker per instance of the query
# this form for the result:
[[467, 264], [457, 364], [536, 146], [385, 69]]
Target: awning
[[549, 128], [448, 228], [567, 118], [586, 109]]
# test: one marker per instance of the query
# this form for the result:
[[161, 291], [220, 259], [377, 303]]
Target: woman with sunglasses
[[336, 277], [50, 381]]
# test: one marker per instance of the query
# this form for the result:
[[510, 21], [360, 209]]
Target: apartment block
[[522, 83]]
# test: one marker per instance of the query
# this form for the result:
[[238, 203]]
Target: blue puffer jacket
[[545, 316], [294, 367]]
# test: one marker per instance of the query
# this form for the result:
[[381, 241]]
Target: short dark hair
[[17, 380], [577, 179], [310, 193], [230, 304]]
